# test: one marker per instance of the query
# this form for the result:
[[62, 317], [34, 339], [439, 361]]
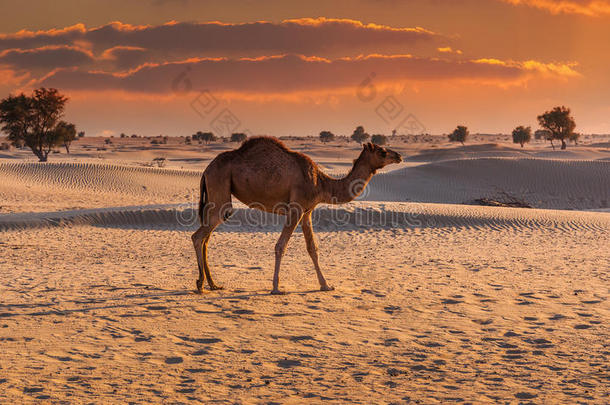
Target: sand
[[436, 301]]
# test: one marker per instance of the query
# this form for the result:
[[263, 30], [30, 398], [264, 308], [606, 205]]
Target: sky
[[174, 67]]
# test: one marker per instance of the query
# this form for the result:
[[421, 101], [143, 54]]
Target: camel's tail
[[202, 196]]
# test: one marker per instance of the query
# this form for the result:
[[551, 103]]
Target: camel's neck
[[340, 191]]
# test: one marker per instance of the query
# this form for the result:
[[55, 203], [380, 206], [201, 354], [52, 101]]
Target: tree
[[379, 139], [81, 134], [459, 134], [359, 135], [33, 120], [522, 135], [66, 133], [327, 136], [238, 137], [575, 137], [560, 123], [208, 137]]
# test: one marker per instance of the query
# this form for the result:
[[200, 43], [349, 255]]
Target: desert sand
[[437, 300]]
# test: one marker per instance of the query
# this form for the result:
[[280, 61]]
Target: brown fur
[[264, 174]]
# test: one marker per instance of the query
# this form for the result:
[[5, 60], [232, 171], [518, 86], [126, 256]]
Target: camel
[[264, 174]]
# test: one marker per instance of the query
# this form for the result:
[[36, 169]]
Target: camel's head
[[378, 156]]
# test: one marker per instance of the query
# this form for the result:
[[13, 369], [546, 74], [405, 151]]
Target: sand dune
[[348, 217], [543, 183]]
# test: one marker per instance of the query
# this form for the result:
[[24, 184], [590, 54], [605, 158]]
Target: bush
[[359, 135], [327, 136], [5, 146], [238, 137], [208, 137], [160, 161], [522, 135], [379, 139], [460, 134]]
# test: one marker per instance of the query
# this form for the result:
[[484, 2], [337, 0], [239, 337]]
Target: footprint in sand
[[288, 363], [173, 360]]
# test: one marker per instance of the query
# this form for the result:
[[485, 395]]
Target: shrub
[[327, 136], [360, 135], [160, 161], [238, 137], [459, 134], [5, 146], [208, 137], [522, 135], [379, 139]]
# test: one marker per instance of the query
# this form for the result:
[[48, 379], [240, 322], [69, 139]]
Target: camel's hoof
[[200, 286], [277, 292], [216, 287], [327, 288]]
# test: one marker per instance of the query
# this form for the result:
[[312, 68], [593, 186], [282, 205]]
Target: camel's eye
[[384, 153]]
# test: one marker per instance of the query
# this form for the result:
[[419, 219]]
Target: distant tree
[[575, 137], [522, 135], [460, 134], [32, 120], [187, 140], [238, 137], [543, 134], [379, 139], [393, 133], [81, 134], [208, 137], [360, 135], [560, 123], [66, 133], [327, 136], [123, 135], [134, 135]]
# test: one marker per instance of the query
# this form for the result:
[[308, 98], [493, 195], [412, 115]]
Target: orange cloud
[[320, 36], [45, 57], [286, 74], [593, 8]]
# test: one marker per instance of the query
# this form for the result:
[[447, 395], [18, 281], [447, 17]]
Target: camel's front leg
[[313, 250], [292, 219]]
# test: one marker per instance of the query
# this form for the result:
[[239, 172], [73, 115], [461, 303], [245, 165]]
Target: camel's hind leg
[[200, 241], [313, 249], [217, 209]]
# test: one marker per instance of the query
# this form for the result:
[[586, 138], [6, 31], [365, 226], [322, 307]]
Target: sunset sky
[[174, 67]]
